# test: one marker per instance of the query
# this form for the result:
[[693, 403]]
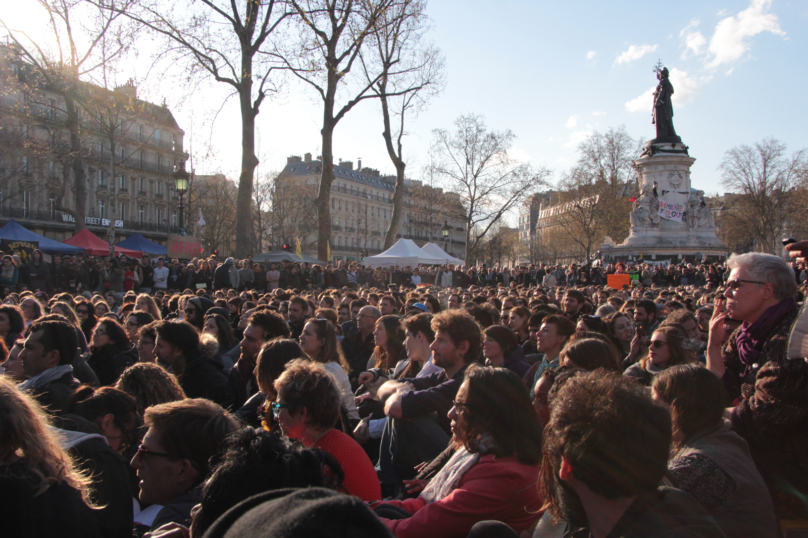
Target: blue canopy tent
[[138, 242], [14, 231]]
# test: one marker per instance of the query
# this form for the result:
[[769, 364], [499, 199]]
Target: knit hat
[[218, 310], [299, 512], [229, 261]]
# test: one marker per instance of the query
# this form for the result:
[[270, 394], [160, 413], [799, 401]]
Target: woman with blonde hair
[[42, 491], [145, 303], [319, 342]]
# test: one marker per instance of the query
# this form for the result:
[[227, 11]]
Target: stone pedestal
[[664, 177]]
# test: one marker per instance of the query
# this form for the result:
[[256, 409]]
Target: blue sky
[[553, 72]]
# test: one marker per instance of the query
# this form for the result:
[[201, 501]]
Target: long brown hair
[[387, 356], [681, 349], [331, 350]]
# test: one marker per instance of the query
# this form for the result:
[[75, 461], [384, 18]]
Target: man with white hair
[[768, 392]]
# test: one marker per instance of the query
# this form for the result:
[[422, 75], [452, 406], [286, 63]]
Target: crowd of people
[[230, 398]]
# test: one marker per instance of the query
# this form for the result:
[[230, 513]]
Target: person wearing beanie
[[195, 310], [288, 513]]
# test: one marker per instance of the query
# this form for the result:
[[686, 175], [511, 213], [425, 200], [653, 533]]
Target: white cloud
[[572, 122], [684, 87], [692, 40], [598, 113], [634, 53], [519, 155], [731, 38], [591, 55], [576, 137], [644, 102]]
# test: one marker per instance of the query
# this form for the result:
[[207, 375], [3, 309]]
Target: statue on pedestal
[[646, 209], [663, 109]]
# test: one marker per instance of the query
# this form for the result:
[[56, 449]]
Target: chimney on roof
[[307, 157], [293, 159], [347, 164], [129, 89], [359, 164]]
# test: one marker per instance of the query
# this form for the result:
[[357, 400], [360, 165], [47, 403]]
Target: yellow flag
[[298, 250], [328, 255]]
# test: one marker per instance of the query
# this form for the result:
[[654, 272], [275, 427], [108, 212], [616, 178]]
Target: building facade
[[361, 209], [129, 150]]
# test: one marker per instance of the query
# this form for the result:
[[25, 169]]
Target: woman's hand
[[414, 486], [362, 431], [365, 378], [169, 530]]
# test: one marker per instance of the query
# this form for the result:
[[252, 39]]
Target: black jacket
[[221, 278], [239, 391], [108, 362], [56, 395], [357, 351], [110, 472], [59, 511], [203, 378]]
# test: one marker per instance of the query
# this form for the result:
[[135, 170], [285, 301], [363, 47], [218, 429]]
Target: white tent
[[436, 252], [404, 253]]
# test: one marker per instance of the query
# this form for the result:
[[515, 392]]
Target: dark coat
[[56, 395], [221, 278], [110, 472], [239, 390], [59, 511], [203, 378], [108, 362]]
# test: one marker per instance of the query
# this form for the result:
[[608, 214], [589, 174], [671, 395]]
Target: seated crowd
[[323, 407]]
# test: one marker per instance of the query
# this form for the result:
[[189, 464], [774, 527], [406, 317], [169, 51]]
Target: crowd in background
[[232, 398]]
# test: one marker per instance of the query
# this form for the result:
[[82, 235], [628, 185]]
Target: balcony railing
[[56, 217], [363, 195], [103, 155]]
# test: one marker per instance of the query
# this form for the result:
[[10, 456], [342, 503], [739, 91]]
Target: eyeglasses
[[99, 333], [659, 343], [737, 283], [132, 323], [460, 405], [276, 409], [143, 451]]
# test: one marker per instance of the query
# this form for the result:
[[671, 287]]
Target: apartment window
[[141, 159], [102, 209], [173, 141], [159, 186], [159, 165], [26, 203], [123, 153], [142, 184], [140, 133], [51, 108], [157, 135], [16, 69], [25, 132], [332, 203], [141, 214], [100, 178], [122, 182], [174, 218], [122, 212], [159, 214]]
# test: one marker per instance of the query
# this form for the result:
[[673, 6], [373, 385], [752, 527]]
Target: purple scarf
[[752, 336]]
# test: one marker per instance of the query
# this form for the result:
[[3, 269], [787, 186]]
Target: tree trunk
[[395, 156], [248, 161], [77, 164], [323, 200]]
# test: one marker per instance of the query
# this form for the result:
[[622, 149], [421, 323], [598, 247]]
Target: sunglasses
[[737, 283], [276, 409], [658, 343]]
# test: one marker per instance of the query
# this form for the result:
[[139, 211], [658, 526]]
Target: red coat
[[501, 489]]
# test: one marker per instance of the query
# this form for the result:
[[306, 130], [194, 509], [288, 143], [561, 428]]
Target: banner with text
[[183, 246], [671, 211], [24, 248]]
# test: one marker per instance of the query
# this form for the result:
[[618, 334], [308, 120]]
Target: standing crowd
[[230, 398]]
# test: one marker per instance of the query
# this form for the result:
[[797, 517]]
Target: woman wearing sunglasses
[[669, 346]]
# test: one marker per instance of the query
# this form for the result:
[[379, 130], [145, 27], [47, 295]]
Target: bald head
[[366, 320]]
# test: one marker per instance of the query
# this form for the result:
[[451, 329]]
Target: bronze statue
[[663, 109]]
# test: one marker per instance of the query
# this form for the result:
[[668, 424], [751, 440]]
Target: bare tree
[[216, 197], [223, 40], [82, 40], [293, 211], [333, 33], [767, 180], [474, 162], [411, 73], [262, 210]]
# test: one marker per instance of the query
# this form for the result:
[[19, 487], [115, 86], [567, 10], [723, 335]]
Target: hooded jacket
[[202, 376]]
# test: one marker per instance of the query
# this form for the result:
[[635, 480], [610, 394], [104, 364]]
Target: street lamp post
[[445, 229], [181, 183]]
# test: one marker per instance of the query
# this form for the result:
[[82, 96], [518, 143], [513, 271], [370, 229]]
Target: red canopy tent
[[95, 246]]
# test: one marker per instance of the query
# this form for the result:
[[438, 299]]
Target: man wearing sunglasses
[[172, 460]]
